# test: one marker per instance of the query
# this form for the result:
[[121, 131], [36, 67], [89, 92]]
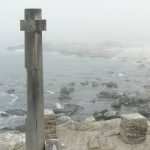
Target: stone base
[[133, 128]]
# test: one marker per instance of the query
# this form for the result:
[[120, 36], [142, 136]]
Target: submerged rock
[[84, 82], [95, 84], [65, 92], [72, 84], [11, 91], [110, 85], [108, 95], [4, 114]]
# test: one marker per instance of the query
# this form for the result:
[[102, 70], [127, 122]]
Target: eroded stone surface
[[133, 128]]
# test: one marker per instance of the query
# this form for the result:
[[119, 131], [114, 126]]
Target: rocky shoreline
[[97, 135], [120, 103]]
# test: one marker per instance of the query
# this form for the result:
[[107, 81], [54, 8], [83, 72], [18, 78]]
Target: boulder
[[68, 109], [133, 128], [98, 116], [65, 92], [111, 115], [105, 115]]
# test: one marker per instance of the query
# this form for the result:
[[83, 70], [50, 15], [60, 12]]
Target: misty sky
[[80, 20]]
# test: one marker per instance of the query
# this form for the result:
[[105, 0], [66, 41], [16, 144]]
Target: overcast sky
[[80, 20]]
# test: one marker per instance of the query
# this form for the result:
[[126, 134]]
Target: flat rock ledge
[[89, 134], [133, 128]]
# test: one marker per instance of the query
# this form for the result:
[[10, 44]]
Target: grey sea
[[129, 69]]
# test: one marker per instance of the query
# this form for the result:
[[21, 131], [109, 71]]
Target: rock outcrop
[[133, 128], [50, 125], [87, 135]]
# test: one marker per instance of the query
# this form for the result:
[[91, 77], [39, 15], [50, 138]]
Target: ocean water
[[60, 70]]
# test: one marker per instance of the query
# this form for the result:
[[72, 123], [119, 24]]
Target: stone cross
[[33, 26]]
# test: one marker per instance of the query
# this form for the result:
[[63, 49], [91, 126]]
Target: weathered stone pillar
[[133, 128], [33, 26]]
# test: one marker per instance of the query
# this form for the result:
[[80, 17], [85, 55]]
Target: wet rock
[[108, 95], [84, 82], [99, 115], [11, 91], [147, 86], [105, 115], [65, 92], [4, 114], [17, 112], [93, 101], [71, 89], [72, 84], [133, 128], [116, 104], [111, 115], [145, 111], [64, 97], [68, 109], [141, 99], [126, 100], [20, 128], [95, 84], [134, 100], [110, 85]]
